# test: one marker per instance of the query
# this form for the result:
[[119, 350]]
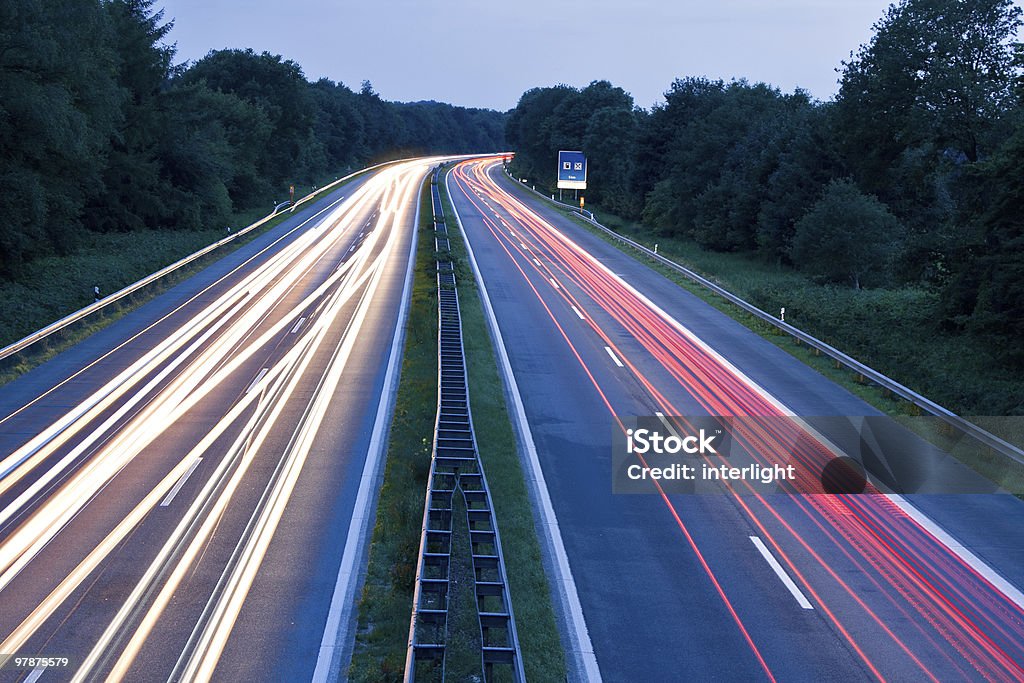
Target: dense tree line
[[912, 175], [100, 130]]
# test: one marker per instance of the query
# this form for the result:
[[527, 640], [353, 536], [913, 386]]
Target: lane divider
[[615, 359], [781, 573]]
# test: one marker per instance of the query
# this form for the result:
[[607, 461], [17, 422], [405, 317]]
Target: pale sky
[[485, 53]]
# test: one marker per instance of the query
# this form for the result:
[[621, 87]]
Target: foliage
[[986, 293], [909, 178], [599, 120], [59, 105], [100, 131], [846, 236]]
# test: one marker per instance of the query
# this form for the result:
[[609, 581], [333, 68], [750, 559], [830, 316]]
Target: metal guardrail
[[78, 316], [455, 469], [957, 422]]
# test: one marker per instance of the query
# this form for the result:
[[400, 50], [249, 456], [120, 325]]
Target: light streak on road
[[283, 315], [921, 587]]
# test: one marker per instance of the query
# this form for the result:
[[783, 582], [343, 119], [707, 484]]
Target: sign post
[[572, 170], [291, 194]]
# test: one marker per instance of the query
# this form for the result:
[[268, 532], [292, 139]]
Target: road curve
[[177, 492], [739, 585]]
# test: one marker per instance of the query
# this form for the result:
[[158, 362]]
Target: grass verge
[[543, 657], [55, 286], [902, 312], [386, 603]]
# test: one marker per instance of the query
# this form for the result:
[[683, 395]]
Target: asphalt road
[[177, 491], [678, 586]]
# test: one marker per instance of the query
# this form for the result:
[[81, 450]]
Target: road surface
[[180, 494], [738, 585]]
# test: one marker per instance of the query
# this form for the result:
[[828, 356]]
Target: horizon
[[791, 45]]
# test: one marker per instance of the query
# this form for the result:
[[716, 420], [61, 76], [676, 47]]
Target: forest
[[911, 177], [101, 131]]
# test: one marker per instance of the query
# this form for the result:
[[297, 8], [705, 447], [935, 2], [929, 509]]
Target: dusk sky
[[485, 54]]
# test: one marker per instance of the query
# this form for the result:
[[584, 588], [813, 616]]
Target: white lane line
[[554, 283], [564, 585], [577, 311], [298, 325], [614, 357], [537, 262], [181, 482], [34, 676], [257, 379], [668, 425], [781, 573], [523, 245]]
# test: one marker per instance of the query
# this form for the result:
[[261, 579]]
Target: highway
[[184, 495], [738, 585]]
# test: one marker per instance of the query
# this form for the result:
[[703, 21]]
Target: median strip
[[387, 599]]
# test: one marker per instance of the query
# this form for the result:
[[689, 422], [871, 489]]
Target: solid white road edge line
[[343, 603], [781, 573], [564, 583], [972, 560]]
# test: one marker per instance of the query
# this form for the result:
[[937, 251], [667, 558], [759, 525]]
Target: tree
[[609, 145], [727, 210], [277, 87], [938, 71], [808, 161], [985, 294], [528, 130], [711, 165], [846, 236], [134, 196], [58, 106]]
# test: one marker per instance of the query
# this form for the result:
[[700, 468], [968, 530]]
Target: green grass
[[881, 328], [53, 287], [385, 607], [386, 604], [543, 657], [462, 644]]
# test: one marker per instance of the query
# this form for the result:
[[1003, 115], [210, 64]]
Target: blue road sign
[[572, 171]]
